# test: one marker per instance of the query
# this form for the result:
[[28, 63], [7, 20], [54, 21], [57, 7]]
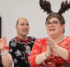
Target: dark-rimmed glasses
[[54, 23]]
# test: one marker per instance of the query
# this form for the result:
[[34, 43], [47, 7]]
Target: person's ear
[[16, 27], [63, 26]]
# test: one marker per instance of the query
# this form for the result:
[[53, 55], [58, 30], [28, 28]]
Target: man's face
[[22, 27]]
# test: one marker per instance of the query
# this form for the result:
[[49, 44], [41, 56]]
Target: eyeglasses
[[54, 23]]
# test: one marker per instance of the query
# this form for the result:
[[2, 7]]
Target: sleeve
[[35, 51], [68, 56], [15, 53], [68, 48], [12, 50]]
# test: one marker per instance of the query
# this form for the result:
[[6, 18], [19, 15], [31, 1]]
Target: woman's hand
[[49, 51], [51, 44], [3, 43]]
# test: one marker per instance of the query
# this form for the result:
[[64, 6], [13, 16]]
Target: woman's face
[[54, 27], [22, 27]]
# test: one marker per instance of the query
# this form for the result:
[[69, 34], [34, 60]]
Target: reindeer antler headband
[[46, 6]]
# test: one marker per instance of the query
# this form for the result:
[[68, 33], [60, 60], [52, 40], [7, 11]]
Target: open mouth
[[25, 30], [52, 29]]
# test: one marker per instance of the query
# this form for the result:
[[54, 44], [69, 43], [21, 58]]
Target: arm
[[17, 54], [6, 59], [43, 56], [59, 50], [36, 58], [12, 50]]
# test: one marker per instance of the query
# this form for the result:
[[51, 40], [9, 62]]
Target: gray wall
[[11, 10]]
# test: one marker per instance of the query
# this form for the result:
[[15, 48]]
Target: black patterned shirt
[[21, 50]]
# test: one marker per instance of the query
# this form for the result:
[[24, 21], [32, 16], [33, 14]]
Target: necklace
[[59, 45], [62, 40]]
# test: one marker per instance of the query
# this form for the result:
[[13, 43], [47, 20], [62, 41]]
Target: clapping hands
[[51, 44]]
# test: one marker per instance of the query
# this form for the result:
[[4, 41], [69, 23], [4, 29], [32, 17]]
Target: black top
[[21, 50]]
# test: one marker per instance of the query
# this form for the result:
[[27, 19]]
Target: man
[[21, 45]]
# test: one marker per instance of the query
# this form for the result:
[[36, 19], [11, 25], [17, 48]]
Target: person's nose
[[25, 26], [51, 24]]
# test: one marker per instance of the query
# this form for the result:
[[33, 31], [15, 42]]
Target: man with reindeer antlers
[[54, 50]]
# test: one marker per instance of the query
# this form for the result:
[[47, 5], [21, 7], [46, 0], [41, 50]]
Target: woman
[[5, 57], [21, 45], [54, 50]]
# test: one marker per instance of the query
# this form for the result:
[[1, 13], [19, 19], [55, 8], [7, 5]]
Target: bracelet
[[46, 55], [4, 53]]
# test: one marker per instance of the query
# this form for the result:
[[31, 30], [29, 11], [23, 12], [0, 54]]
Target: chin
[[51, 34], [25, 34]]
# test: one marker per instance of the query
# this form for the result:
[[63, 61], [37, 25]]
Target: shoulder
[[13, 40], [67, 38], [31, 38], [37, 38], [66, 41], [41, 40]]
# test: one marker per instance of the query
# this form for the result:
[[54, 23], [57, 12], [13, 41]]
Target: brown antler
[[45, 5], [64, 7], [69, 4]]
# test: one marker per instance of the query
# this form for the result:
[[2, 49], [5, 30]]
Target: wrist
[[3, 50], [55, 48], [46, 54]]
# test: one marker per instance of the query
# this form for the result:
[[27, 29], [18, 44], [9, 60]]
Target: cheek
[[60, 28], [28, 27], [47, 28], [20, 29]]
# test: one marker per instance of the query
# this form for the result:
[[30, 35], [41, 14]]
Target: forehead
[[22, 20], [53, 19]]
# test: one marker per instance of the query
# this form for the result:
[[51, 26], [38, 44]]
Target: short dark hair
[[17, 21], [58, 16]]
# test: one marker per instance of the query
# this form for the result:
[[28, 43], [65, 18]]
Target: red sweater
[[53, 61]]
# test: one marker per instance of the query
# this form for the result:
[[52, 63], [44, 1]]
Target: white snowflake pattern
[[13, 44], [10, 50], [15, 61], [18, 53]]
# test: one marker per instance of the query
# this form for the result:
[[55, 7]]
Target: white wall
[[11, 10]]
